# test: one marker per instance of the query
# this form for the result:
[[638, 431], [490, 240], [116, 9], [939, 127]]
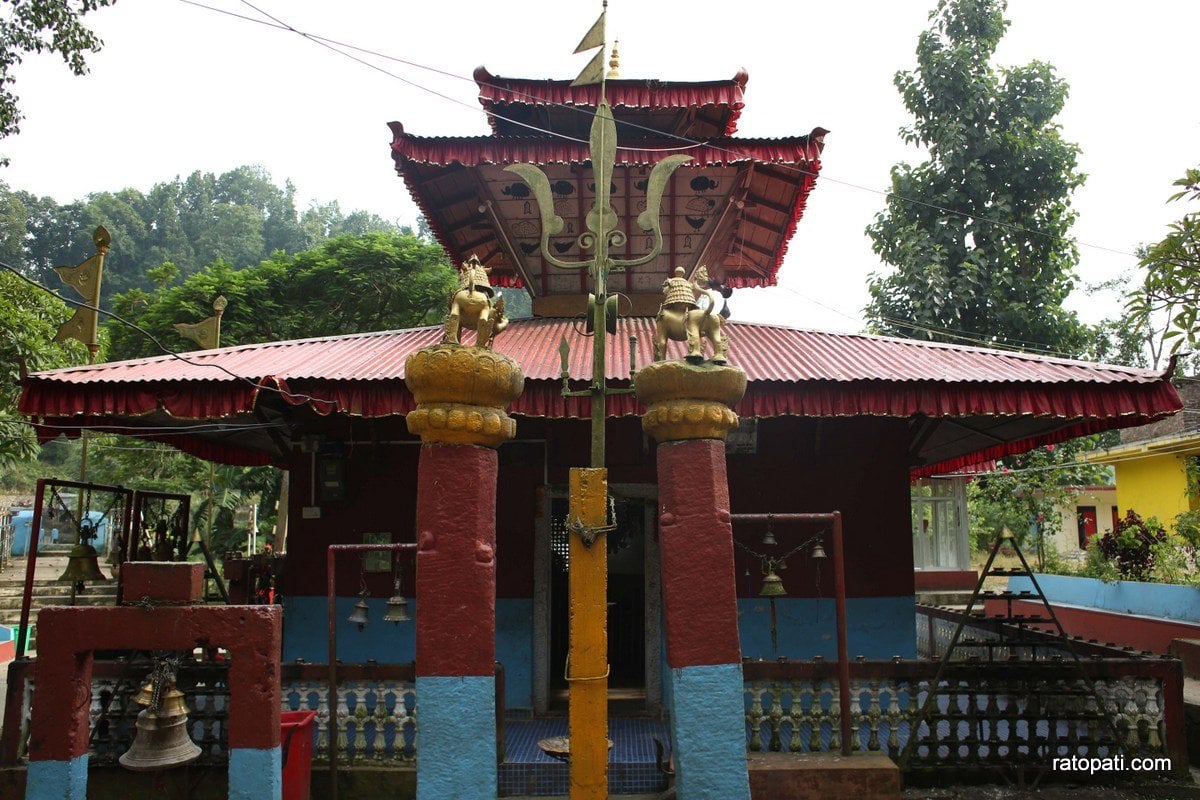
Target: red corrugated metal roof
[[995, 403], [765, 352]]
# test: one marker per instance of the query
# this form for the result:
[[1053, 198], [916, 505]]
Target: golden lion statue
[[472, 307], [681, 319]]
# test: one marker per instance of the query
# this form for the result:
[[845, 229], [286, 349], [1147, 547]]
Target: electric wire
[[688, 143]]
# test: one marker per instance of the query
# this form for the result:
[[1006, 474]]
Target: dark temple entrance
[[627, 607]]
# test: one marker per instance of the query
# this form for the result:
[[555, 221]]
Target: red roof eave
[[495, 91]]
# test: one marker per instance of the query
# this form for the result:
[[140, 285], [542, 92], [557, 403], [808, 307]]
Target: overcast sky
[[178, 88]]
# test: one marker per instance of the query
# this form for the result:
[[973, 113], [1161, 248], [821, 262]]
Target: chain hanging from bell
[[772, 583], [162, 739], [397, 604]]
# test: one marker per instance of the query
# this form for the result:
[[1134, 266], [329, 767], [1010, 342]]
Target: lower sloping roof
[[964, 404]]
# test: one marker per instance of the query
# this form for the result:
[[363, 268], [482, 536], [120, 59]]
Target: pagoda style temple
[[828, 422]]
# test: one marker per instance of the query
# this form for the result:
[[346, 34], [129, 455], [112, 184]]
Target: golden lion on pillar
[[472, 307], [680, 317]]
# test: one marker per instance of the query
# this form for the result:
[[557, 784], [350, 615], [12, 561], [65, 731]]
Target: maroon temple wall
[[855, 465]]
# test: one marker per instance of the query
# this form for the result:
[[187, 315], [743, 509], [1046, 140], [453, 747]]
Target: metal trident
[[600, 237]]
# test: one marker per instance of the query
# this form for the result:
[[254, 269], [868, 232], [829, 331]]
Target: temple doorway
[[634, 605]]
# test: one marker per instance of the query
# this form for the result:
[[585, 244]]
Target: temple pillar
[[461, 394], [689, 416]]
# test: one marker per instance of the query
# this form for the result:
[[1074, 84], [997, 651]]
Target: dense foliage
[[240, 217], [1025, 494], [29, 319], [349, 284], [978, 234]]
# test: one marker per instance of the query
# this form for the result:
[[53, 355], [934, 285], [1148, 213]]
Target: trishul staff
[[587, 660]]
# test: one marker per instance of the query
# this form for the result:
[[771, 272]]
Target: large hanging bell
[[82, 565], [359, 615], [772, 585], [162, 739], [397, 609]]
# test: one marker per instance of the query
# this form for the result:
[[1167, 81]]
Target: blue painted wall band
[[709, 731], [305, 636], [255, 774], [447, 764], [57, 780], [876, 627]]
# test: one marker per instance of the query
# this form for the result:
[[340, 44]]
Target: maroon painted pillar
[[689, 415], [461, 394]]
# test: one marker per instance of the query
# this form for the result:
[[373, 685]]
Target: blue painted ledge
[[1162, 600]]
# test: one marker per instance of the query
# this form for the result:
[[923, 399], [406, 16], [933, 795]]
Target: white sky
[[178, 88]]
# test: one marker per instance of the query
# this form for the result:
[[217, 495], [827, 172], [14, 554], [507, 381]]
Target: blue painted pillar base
[[709, 730], [456, 737], [255, 774], [57, 780]]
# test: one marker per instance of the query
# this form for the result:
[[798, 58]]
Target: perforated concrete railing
[[986, 721]]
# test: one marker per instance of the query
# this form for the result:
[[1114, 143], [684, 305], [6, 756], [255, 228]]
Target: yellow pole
[[587, 657]]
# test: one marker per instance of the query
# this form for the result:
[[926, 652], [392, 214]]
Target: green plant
[[1132, 548]]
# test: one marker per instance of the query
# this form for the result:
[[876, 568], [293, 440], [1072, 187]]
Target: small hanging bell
[[146, 696], [772, 584], [397, 609], [769, 536], [818, 552], [82, 565], [359, 615]]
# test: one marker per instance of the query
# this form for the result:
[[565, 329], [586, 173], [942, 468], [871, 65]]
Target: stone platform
[[823, 776]]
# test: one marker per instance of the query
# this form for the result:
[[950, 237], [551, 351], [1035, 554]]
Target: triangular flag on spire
[[595, 35], [593, 72]]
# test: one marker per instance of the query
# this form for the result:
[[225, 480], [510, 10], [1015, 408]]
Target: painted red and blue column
[[689, 415], [461, 393], [67, 637]]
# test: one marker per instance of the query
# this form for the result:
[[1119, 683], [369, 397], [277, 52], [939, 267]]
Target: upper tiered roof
[[732, 208]]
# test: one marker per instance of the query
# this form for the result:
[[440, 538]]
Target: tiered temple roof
[[733, 207]]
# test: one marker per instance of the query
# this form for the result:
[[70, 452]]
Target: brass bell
[[146, 696], [162, 739], [359, 615], [82, 565], [769, 537], [818, 552], [772, 584], [397, 609]]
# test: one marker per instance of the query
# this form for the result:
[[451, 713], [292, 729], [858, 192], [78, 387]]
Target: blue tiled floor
[[631, 765]]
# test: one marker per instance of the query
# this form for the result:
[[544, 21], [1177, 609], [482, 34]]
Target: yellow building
[[1152, 476]]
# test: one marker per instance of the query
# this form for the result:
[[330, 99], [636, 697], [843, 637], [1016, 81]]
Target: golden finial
[[614, 63]]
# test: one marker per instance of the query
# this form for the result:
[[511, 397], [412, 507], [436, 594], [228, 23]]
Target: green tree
[[1026, 494], [349, 284], [1170, 292], [41, 26], [29, 318], [978, 233]]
